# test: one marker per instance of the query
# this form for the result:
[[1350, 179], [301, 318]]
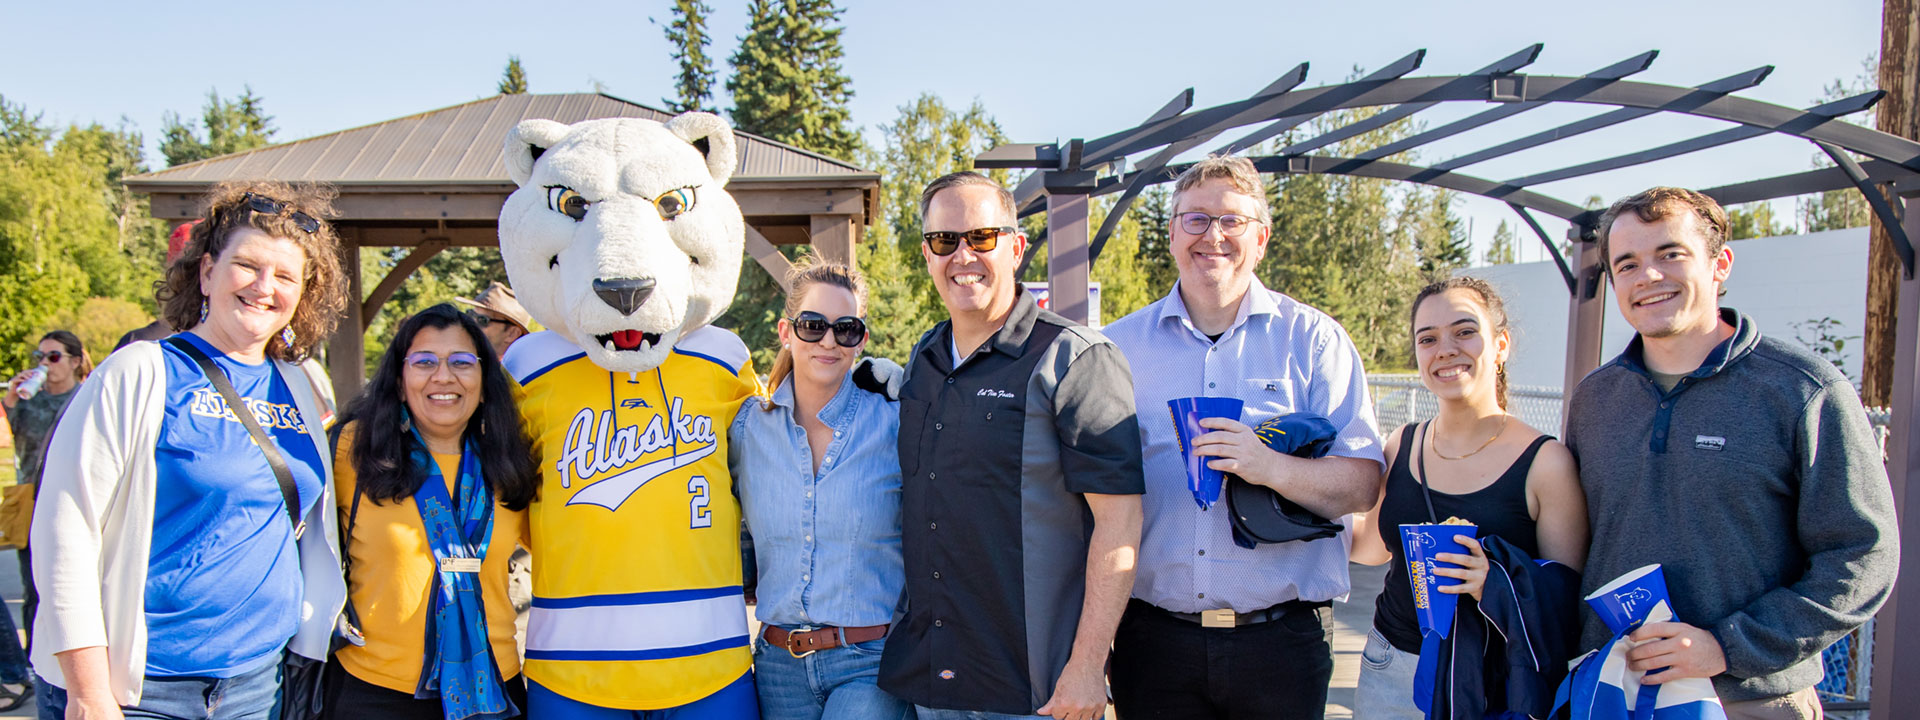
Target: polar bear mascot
[[623, 242]]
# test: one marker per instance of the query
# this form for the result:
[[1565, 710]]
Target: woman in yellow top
[[433, 476]]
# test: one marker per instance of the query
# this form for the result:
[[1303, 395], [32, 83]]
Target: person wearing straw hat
[[500, 316], [1741, 463]]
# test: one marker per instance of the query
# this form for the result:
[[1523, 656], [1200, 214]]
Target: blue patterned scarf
[[458, 664]]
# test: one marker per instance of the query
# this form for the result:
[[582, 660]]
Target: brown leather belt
[[802, 643]]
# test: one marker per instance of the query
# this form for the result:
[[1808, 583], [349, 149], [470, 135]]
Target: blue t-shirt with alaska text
[[224, 585]]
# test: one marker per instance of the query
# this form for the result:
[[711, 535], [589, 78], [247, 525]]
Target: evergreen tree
[[1438, 234], [787, 82], [1843, 208], [688, 33], [513, 80], [231, 126], [1153, 211], [1501, 250], [1754, 220]]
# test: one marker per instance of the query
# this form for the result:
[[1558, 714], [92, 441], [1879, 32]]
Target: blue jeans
[[837, 684], [13, 660], [733, 702], [926, 713], [252, 695]]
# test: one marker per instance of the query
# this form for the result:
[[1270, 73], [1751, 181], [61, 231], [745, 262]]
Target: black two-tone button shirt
[[995, 455]]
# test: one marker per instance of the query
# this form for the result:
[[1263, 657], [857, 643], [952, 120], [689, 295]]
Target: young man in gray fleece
[[1742, 464]]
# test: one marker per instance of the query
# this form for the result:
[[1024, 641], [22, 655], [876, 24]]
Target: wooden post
[[1586, 314], [1898, 114], [1067, 268], [346, 350], [769, 257], [1896, 634], [832, 237]]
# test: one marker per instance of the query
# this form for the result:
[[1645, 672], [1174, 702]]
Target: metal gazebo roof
[[1068, 173]]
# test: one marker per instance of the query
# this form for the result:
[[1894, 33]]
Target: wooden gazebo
[[435, 180]]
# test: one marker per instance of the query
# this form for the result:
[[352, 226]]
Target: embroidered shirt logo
[[634, 403], [207, 402], [595, 447], [990, 392], [1272, 387], [1709, 442]]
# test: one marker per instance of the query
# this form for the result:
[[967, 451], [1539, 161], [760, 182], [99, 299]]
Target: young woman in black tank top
[[1473, 461]]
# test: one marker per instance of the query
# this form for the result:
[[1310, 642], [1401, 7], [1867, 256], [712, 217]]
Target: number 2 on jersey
[[698, 516]]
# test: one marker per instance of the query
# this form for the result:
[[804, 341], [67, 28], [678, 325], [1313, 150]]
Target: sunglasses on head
[[811, 326], [945, 242], [427, 362], [269, 206], [50, 356]]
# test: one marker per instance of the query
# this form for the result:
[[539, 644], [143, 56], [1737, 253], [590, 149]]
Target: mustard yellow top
[[392, 574]]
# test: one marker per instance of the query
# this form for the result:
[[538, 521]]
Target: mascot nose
[[624, 294]]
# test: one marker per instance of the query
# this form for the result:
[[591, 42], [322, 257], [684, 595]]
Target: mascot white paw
[[623, 242]]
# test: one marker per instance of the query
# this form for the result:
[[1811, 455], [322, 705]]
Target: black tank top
[[1499, 509]]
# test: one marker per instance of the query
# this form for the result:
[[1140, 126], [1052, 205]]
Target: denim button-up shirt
[[827, 544]]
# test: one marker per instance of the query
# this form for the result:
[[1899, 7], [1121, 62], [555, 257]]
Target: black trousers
[[1167, 667], [350, 698], [31, 604]]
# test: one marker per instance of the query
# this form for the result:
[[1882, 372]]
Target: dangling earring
[[287, 336], [203, 310], [406, 417]]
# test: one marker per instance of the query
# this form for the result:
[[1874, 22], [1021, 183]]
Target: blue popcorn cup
[[1420, 543], [1203, 481], [1626, 602]]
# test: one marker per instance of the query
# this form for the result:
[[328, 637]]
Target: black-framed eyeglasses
[[1231, 225], [811, 326], [427, 362], [270, 206], [945, 242], [48, 356]]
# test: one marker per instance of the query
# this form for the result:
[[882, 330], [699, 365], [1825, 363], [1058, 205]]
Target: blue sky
[[1047, 71]]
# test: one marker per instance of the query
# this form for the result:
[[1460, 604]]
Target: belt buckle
[[791, 636], [1222, 618]]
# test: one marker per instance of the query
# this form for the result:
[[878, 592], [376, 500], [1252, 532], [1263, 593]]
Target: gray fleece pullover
[[1757, 484]]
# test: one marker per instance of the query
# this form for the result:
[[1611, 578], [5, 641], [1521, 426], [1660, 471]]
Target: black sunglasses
[[483, 319], [51, 356], [270, 206], [811, 326], [945, 242]]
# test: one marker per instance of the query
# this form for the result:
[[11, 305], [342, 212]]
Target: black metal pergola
[[1067, 174]]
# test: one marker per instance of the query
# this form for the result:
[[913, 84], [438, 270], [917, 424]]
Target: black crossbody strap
[[238, 406]]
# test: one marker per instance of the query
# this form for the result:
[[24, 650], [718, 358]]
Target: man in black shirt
[[1020, 505]]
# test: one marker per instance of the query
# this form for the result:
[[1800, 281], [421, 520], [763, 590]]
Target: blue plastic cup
[[1420, 543], [1203, 481], [1626, 602]]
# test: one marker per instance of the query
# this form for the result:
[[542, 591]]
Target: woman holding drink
[[1475, 462]]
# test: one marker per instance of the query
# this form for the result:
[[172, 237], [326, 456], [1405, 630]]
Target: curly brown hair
[[1496, 314], [1659, 203], [322, 297]]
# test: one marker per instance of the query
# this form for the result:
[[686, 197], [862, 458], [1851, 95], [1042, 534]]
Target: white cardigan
[[93, 523]]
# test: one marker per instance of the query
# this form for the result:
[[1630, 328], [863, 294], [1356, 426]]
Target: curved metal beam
[[1379, 169], [1546, 88]]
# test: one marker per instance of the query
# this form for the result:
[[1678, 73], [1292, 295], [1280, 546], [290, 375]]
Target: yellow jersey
[[637, 600]]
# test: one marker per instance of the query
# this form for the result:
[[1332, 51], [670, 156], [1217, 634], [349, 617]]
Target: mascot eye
[[564, 200], [673, 202]]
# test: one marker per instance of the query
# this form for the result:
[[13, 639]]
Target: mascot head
[[621, 237]]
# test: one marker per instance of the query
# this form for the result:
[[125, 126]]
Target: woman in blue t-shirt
[[173, 572]]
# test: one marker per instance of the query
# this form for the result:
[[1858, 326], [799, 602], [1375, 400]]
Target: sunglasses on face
[[483, 319], [52, 356], [1231, 225], [811, 326], [945, 242], [426, 362], [269, 206]]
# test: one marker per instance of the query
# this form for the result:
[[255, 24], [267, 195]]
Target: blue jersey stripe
[[652, 654], [731, 370], [557, 363], [640, 598]]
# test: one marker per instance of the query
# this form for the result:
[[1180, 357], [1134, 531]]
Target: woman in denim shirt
[[818, 476]]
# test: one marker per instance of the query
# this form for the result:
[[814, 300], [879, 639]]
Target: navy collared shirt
[[827, 544]]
